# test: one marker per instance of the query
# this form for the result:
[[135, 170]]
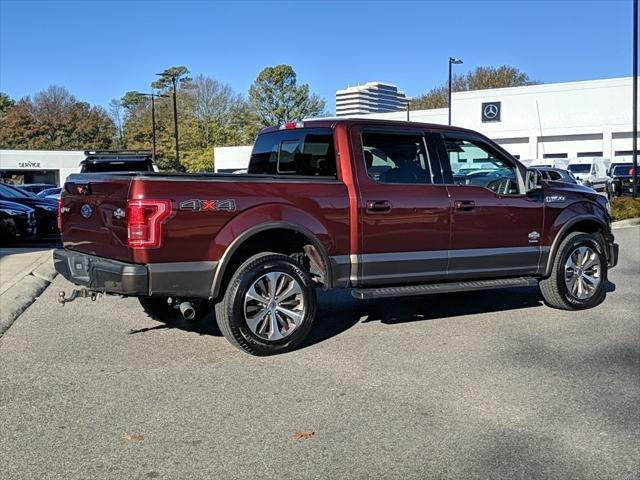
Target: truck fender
[[262, 218], [564, 230]]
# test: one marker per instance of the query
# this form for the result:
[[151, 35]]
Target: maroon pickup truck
[[387, 209]]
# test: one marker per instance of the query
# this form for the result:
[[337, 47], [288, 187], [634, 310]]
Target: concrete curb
[[17, 298], [631, 222]]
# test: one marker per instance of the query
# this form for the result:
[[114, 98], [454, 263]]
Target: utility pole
[[173, 77], [175, 123], [634, 177], [153, 118]]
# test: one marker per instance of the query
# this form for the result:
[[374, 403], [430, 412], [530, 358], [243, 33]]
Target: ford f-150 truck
[[385, 208]]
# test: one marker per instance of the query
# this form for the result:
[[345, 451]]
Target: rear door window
[[305, 151], [396, 157]]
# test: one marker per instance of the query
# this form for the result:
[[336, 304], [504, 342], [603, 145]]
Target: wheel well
[[278, 240], [585, 226]]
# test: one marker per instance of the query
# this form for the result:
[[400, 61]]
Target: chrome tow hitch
[[78, 293]]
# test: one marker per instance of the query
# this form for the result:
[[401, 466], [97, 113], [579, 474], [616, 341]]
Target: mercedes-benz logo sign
[[86, 210], [491, 111]]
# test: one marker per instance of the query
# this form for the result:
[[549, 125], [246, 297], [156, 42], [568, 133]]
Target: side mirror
[[532, 180]]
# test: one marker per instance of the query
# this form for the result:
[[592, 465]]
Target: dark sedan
[[621, 180], [46, 210], [17, 222], [35, 188]]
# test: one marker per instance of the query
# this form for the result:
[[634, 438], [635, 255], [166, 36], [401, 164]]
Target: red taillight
[[60, 212], [144, 221]]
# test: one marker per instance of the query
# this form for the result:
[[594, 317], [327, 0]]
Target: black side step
[[368, 293]]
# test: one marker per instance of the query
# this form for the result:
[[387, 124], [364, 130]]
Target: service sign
[[29, 164]]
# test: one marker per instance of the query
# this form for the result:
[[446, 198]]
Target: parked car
[[590, 171], [17, 222], [102, 161], [621, 180], [46, 210], [35, 188], [53, 193], [317, 210], [556, 175]]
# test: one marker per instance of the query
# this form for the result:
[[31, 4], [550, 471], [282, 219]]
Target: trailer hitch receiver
[[77, 293]]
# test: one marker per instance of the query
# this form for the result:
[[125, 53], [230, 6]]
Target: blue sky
[[100, 49]]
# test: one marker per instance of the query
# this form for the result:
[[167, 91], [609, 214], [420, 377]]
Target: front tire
[[269, 305], [579, 274]]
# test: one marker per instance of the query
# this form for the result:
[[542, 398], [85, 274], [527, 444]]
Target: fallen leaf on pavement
[[135, 438], [303, 435]]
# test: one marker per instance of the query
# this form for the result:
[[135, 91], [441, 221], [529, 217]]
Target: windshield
[[580, 168], [9, 192]]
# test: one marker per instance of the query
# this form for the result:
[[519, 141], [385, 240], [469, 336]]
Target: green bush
[[625, 207]]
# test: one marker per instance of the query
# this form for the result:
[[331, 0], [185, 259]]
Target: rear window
[[623, 170], [304, 151], [118, 166]]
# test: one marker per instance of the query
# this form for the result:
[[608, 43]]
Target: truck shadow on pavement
[[338, 311]]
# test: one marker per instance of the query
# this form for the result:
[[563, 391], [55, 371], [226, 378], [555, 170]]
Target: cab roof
[[331, 122]]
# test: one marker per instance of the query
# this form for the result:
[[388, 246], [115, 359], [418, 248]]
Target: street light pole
[[634, 177], [452, 61]]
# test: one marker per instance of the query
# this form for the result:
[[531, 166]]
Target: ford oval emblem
[[86, 210]]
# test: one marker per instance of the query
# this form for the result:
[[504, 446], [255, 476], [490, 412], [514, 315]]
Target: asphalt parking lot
[[490, 385]]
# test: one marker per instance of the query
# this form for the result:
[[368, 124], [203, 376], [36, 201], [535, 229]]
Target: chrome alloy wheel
[[582, 273], [274, 306]]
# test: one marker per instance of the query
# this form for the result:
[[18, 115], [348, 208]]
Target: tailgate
[[92, 211]]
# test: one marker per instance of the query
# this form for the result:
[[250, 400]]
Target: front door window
[[475, 164]]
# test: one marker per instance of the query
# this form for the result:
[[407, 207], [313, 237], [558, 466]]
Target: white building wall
[[64, 162], [229, 159]]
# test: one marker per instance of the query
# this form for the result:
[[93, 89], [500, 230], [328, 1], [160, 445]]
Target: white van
[[590, 171]]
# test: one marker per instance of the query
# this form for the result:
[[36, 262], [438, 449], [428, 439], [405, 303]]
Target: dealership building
[[555, 120], [39, 166]]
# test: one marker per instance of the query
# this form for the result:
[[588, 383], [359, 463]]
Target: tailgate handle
[[464, 205], [378, 206]]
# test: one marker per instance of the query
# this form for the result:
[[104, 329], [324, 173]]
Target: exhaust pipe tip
[[187, 310]]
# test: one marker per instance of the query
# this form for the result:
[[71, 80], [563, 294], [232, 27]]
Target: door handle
[[378, 206], [464, 205]]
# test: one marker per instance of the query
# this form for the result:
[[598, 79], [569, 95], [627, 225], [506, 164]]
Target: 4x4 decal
[[197, 205]]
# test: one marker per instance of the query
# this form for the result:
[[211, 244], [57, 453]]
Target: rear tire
[[269, 305], [578, 275]]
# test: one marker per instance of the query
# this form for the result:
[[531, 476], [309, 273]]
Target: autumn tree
[[55, 120], [276, 97], [5, 104], [480, 79]]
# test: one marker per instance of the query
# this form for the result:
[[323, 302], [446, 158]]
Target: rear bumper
[[102, 274], [177, 279]]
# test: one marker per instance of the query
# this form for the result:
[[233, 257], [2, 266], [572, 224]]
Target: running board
[[369, 293]]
